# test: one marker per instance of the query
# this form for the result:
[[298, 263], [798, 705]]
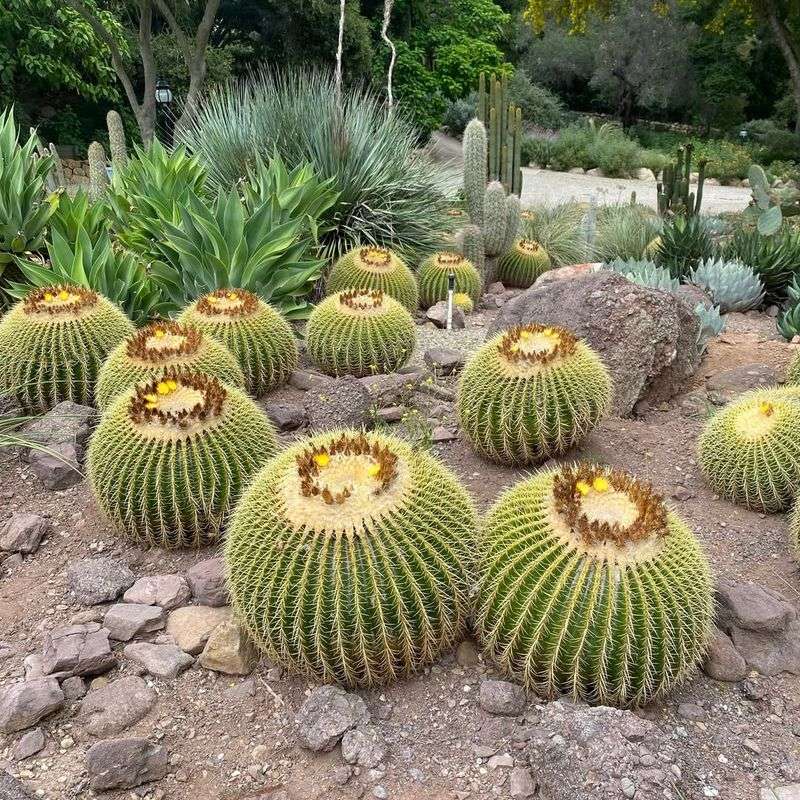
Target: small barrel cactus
[[433, 276], [732, 285], [157, 347], [749, 451], [532, 393], [171, 456], [375, 268], [464, 302], [522, 264], [348, 558], [258, 336], [590, 587], [360, 332], [53, 343]]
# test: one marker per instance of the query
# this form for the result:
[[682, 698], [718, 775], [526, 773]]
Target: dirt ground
[[233, 737]]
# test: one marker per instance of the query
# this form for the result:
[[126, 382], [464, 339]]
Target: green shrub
[[779, 146], [786, 170], [537, 149], [616, 156], [458, 114], [653, 160], [78, 211], [571, 148], [539, 106], [626, 232]]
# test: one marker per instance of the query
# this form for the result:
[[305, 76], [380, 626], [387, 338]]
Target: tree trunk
[[387, 18], [339, 48], [790, 51]]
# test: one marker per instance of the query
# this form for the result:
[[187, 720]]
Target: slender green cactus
[[503, 121], [98, 176], [116, 141], [475, 173], [674, 195], [471, 241]]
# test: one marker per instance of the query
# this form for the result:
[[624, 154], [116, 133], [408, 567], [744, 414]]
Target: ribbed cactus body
[[433, 278], [348, 557], [375, 268], [170, 458], [360, 332], [523, 264], [531, 393], [160, 346], [475, 149], [464, 302], [793, 372], [794, 530], [53, 343], [471, 242], [258, 336], [590, 587], [495, 218], [749, 451]]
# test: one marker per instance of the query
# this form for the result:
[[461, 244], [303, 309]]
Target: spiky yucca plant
[[170, 457], [522, 264], [433, 277], [375, 268], [259, 337], [732, 285], [360, 332], [749, 452], [53, 343], [589, 586], [530, 393], [464, 302], [160, 346]]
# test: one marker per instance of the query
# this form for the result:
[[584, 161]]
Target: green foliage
[[77, 212], [539, 106], [53, 343], [625, 232], [360, 332], [558, 231], [522, 264], [384, 531], [458, 113], [603, 546], [674, 190], [171, 457], [731, 285], [532, 393], [771, 204], [775, 259], [537, 149], [433, 277], [645, 273], [712, 324], [593, 146], [789, 323], [682, 244], [749, 451]]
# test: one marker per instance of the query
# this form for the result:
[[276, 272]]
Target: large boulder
[[647, 338]]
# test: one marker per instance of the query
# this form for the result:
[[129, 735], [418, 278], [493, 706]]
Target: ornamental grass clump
[[522, 264], [53, 343], [433, 276], [531, 393], [171, 456], [348, 556], [590, 587]]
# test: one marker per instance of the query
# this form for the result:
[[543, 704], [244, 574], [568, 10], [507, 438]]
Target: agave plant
[[712, 324], [684, 242], [645, 273], [557, 229], [789, 322], [79, 212], [732, 286]]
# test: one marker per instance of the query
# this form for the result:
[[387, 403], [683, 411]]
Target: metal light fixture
[[163, 93]]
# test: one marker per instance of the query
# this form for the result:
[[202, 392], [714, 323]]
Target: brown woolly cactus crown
[[60, 300], [529, 346], [228, 303], [362, 299], [377, 258]]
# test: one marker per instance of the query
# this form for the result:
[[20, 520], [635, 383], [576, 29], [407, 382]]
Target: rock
[[207, 582], [596, 172], [326, 715], [437, 314], [567, 273], [521, 783], [7, 650], [98, 580], [77, 650], [58, 467], [693, 295], [442, 434], [12, 789], [726, 386], [583, 753], [338, 403], [117, 706], [126, 620], [191, 626], [125, 763], [576, 171], [229, 650], [644, 174], [161, 660], [646, 338], [722, 662], [66, 423], [391, 414], [74, 688], [29, 744], [443, 361], [363, 746], [691, 711], [501, 697], [769, 653], [791, 792], [753, 607], [167, 591], [22, 705], [306, 380], [495, 288], [467, 654], [286, 416], [395, 388], [23, 533]]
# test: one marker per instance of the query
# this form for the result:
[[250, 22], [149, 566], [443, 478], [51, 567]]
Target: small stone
[[127, 620], [496, 288], [125, 763], [502, 697], [380, 793], [442, 434], [722, 662], [57, 467], [504, 760], [306, 380], [754, 608], [23, 533], [437, 314], [443, 361], [628, 787], [391, 414], [286, 416], [77, 650], [98, 580], [467, 654], [29, 744], [22, 705], [753, 689], [191, 626], [74, 688], [207, 582], [167, 591], [521, 783], [161, 660], [229, 650], [691, 711], [117, 706], [7, 650], [363, 746], [326, 715], [752, 746]]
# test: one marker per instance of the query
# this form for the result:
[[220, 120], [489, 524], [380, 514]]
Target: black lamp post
[[164, 102]]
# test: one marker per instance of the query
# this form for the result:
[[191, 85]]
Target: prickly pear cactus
[[433, 278], [590, 587], [522, 264], [348, 557]]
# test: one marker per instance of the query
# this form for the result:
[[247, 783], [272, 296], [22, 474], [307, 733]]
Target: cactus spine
[[116, 141], [503, 121], [98, 176], [673, 190]]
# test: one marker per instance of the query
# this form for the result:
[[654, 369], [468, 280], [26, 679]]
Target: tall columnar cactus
[[171, 457], [749, 452], [673, 191], [589, 586], [531, 393], [470, 240], [433, 275], [375, 268], [98, 176], [503, 121], [522, 264], [116, 141], [360, 332], [258, 336], [348, 558], [160, 346]]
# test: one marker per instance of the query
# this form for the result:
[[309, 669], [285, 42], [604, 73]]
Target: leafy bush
[[785, 170], [79, 211], [571, 148], [727, 161], [537, 148], [652, 160], [539, 106], [779, 145], [616, 156], [589, 146], [458, 114]]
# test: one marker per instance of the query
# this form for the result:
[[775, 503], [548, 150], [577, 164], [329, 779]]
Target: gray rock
[[191, 626], [391, 414], [12, 789], [395, 388], [495, 288], [791, 792], [161, 660], [125, 763], [753, 607], [207, 582], [326, 715], [501, 697], [22, 705], [65, 423], [57, 467], [117, 706], [722, 662], [23, 533], [443, 361], [363, 746], [691, 711], [167, 591], [769, 653], [725, 386], [286, 416], [7, 650], [338, 403], [74, 688], [98, 580], [442, 434], [306, 380], [646, 338], [28, 745], [437, 314], [126, 620], [521, 783], [229, 650], [77, 650]]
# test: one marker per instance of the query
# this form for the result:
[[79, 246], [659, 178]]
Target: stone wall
[[75, 170]]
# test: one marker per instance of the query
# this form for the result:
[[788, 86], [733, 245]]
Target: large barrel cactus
[[793, 372], [53, 343], [157, 347], [360, 332], [348, 558], [590, 587], [375, 268], [522, 264], [433, 277], [794, 529], [260, 338], [170, 458], [749, 452], [532, 393]]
